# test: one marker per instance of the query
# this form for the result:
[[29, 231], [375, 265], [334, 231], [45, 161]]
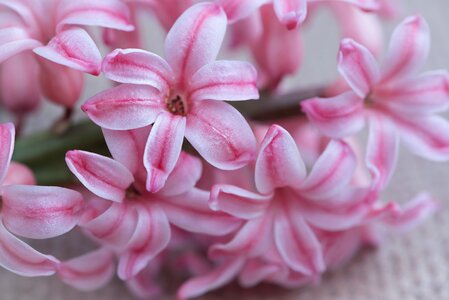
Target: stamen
[[176, 106], [132, 192]]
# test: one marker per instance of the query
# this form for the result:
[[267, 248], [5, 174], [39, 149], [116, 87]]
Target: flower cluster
[[192, 184]]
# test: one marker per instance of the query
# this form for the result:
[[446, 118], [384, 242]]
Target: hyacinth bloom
[[290, 13], [296, 226], [397, 103], [166, 12], [132, 221], [36, 212], [181, 96], [53, 30]]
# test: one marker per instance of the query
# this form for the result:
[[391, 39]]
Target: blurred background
[[412, 266]]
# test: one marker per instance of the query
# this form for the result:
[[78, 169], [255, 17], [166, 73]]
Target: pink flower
[[397, 103], [52, 29], [297, 226], [290, 13], [35, 212], [180, 96], [280, 216], [166, 12], [132, 221]]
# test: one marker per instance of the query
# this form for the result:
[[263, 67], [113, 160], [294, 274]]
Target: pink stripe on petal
[[40, 212], [14, 40], [73, 48], [382, 150], [414, 212], [409, 48], [279, 163], [425, 136], [18, 257], [336, 117], [216, 278], [185, 175], [427, 93], [238, 202], [220, 134], [127, 146], [358, 66], [331, 173], [253, 239], [125, 107], [7, 135], [195, 39], [101, 175], [138, 67], [224, 80], [297, 243], [114, 226], [151, 236], [163, 149], [109, 14], [88, 272], [290, 12], [190, 211]]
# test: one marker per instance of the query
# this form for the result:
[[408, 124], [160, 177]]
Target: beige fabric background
[[413, 266]]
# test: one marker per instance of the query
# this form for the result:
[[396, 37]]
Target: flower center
[[132, 192], [176, 105]]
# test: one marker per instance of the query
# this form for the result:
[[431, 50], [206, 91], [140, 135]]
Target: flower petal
[[195, 39], [240, 9], [409, 48], [238, 202], [382, 151], [254, 239], [20, 91], [101, 175], [73, 48], [138, 67], [220, 134], [358, 66], [151, 236], [216, 278], [224, 80], [114, 226], [336, 117], [279, 163], [126, 106], [426, 136], [14, 40], [424, 94], [297, 243], [414, 212], [40, 212], [18, 257], [290, 12], [127, 147], [109, 14], [331, 173], [190, 211], [163, 149], [7, 135], [185, 175], [88, 272]]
